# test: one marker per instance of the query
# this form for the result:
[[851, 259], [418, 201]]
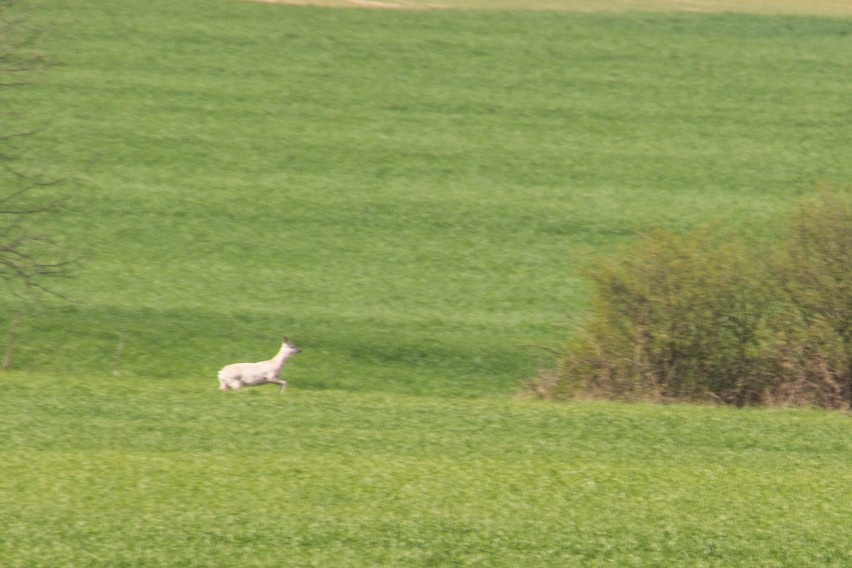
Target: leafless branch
[[26, 258]]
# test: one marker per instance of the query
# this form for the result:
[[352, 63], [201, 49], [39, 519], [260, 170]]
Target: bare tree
[[27, 256]]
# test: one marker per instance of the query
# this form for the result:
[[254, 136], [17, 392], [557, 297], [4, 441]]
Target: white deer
[[241, 375]]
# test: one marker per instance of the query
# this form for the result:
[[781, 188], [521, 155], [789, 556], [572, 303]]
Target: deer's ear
[[285, 339]]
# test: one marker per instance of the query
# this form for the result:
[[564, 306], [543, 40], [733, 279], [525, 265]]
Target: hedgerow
[[708, 316]]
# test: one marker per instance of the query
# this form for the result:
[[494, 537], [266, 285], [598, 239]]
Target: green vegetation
[[150, 476], [410, 196], [710, 317]]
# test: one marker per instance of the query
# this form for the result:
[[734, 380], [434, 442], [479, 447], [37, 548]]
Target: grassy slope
[[150, 477], [409, 195]]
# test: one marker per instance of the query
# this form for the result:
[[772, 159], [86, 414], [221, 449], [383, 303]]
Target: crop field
[[411, 195], [148, 476]]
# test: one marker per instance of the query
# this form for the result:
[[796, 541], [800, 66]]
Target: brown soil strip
[[369, 4]]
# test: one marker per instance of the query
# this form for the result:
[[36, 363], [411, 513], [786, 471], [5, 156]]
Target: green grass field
[[144, 475], [410, 195]]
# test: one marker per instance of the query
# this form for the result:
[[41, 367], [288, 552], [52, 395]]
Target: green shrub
[[709, 317], [812, 350]]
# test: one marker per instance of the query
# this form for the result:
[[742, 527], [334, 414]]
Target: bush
[[702, 317], [812, 351]]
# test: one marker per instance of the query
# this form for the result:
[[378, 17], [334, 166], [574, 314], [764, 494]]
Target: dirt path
[[370, 4], [802, 7]]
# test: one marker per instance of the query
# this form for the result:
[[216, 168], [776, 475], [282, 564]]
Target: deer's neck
[[282, 356]]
